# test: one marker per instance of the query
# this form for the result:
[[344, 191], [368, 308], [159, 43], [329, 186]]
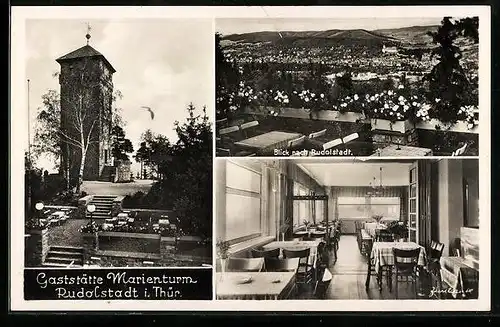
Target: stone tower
[[86, 83]]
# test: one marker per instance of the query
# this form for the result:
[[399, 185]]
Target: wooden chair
[[405, 267], [261, 253], [281, 265], [245, 264], [305, 270], [222, 152], [460, 151], [317, 134], [228, 130], [386, 270], [322, 285], [350, 138], [432, 270], [244, 128], [293, 144], [332, 144], [382, 235]]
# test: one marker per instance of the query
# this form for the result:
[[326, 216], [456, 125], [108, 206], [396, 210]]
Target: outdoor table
[[382, 256], [130, 220], [394, 150], [263, 285], [459, 276], [270, 140]]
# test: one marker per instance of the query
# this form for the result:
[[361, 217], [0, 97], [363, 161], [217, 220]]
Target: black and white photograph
[[118, 160], [379, 86], [347, 229]]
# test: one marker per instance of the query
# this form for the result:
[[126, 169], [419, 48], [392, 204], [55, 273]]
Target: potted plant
[[306, 223], [223, 253], [283, 229], [398, 229], [377, 218]]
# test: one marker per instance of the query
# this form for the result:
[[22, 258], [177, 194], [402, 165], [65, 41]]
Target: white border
[[19, 132]]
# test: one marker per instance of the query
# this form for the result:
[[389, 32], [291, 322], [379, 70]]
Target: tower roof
[[85, 51]]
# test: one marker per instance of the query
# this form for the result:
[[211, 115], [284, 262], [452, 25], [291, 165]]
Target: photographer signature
[[450, 290]]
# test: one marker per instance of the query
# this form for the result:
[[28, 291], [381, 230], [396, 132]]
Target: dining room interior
[[355, 228]]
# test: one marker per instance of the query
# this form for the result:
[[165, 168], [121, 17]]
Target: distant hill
[[398, 36], [312, 37], [412, 35]]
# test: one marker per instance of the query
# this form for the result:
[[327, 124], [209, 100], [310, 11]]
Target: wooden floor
[[349, 276]]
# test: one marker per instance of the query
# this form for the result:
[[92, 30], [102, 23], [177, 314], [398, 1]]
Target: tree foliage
[[448, 84], [185, 168], [120, 146]]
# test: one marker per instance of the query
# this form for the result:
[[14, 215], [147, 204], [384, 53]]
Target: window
[[243, 202], [366, 207]]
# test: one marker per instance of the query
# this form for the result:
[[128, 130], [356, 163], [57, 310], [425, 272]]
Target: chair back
[[281, 265], [382, 235], [316, 235], [460, 151], [222, 152], [220, 122], [350, 137], [249, 124], [245, 264], [228, 130], [261, 253], [436, 250], [332, 144], [302, 253], [296, 142], [317, 134], [405, 260], [323, 284]]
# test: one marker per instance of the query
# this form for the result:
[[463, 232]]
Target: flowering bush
[[90, 228]]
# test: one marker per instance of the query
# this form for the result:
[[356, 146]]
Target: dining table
[[370, 228], [382, 257], [254, 285], [269, 140]]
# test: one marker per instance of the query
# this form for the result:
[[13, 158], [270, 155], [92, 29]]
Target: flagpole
[[29, 150]]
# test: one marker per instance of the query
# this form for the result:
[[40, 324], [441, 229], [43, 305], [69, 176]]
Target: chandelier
[[375, 190]]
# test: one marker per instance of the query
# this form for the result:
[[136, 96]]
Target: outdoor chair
[[247, 129], [222, 152], [294, 144], [317, 134], [260, 253], [332, 144], [245, 264], [405, 267], [350, 138]]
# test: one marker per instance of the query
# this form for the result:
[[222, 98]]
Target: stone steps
[[64, 256]]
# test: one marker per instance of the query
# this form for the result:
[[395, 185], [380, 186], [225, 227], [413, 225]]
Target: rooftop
[[85, 51]]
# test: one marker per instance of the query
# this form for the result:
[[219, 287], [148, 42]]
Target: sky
[[227, 26], [164, 64]]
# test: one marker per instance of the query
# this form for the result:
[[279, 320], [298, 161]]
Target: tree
[[121, 145], [448, 85], [185, 168], [227, 79], [50, 136]]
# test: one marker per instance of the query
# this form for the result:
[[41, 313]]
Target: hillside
[[412, 35], [312, 37]]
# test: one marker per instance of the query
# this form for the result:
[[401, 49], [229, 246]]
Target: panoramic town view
[[118, 172], [340, 89]]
